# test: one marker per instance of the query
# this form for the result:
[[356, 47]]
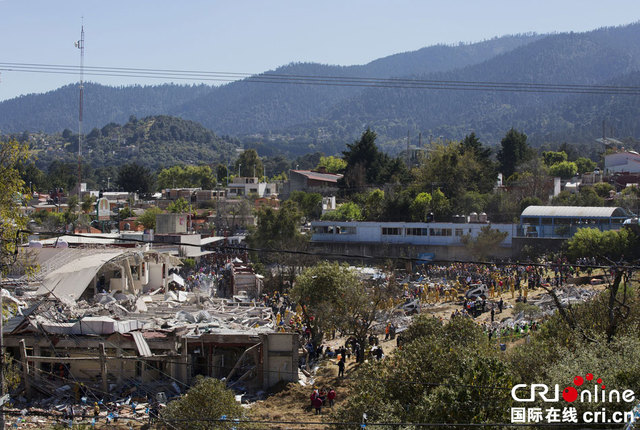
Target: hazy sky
[[253, 36]]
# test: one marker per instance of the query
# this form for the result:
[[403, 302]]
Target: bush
[[203, 406]]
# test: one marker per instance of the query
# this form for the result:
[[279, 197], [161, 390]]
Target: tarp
[[69, 281]]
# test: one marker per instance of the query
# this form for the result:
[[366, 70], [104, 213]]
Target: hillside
[[299, 118], [599, 57], [154, 141], [238, 107]]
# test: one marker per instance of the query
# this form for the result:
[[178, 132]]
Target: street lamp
[[239, 166]]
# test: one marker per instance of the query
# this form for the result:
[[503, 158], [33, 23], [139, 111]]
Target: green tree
[[367, 165], [420, 207], [87, 203], [552, 157], [585, 165], [455, 359], [134, 177], [348, 211], [470, 201], [332, 164], [564, 169], [221, 173], [279, 230], [187, 177], [249, 163], [180, 206], [472, 144], [455, 170], [322, 291], [440, 205], [148, 218], [611, 245], [12, 220], [203, 406], [125, 213], [309, 203], [373, 205], [513, 151], [602, 189]]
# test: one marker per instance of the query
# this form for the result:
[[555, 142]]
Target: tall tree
[[187, 177], [278, 231], [321, 291], [472, 144], [133, 177], [513, 151], [366, 165], [332, 164], [11, 219], [249, 164]]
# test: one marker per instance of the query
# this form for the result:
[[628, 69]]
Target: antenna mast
[[80, 45]]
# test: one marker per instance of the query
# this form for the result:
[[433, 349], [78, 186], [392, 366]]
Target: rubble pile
[[567, 295]]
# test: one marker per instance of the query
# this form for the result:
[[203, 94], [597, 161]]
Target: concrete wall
[[156, 277], [280, 358], [395, 250], [171, 223]]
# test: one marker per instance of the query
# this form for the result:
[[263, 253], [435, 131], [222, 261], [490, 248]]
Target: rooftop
[[575, 212]]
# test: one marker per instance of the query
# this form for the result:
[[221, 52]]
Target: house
[[245, 186], [312, 181], [622, 161]]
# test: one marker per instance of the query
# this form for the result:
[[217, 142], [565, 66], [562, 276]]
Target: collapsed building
[[107, 318]]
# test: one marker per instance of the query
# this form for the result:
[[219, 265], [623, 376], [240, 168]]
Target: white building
[[405, 233], [624, 161], [244, 186]]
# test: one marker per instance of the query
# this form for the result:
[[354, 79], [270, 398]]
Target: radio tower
[[80, 45]]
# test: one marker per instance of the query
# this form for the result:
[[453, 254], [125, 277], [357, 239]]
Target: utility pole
[[408, 150], [80, 45]]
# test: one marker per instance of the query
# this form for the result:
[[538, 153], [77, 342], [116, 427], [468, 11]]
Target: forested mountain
[[58, 109], [600, 57], [298, 118], [154, 141], [239, 107]]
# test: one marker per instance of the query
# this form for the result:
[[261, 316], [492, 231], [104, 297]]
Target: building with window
[[563, 221], [245, 186], [444, 239]]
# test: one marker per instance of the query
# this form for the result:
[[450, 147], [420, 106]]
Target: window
[[440, 231], [323, 229], [459, 232], [346, 230], [417, 232], [391, 231]]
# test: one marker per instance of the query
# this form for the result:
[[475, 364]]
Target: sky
[[253, 36]]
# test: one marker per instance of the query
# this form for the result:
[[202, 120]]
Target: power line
[[349, 81], [350, 256]]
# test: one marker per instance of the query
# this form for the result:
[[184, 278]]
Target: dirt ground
[[291, 403]]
